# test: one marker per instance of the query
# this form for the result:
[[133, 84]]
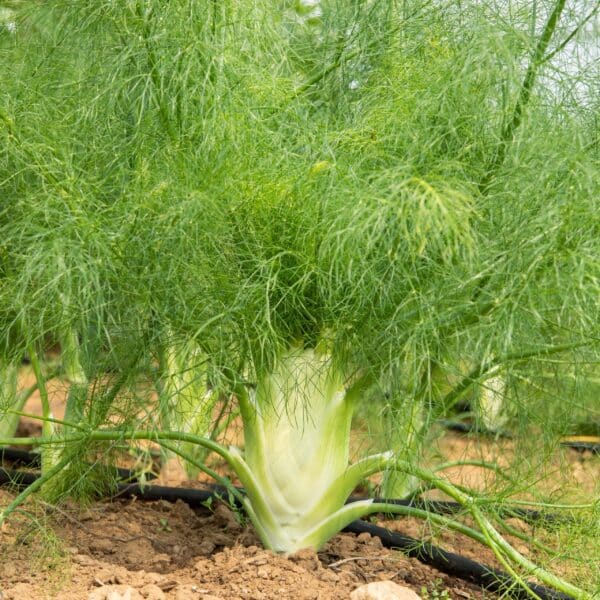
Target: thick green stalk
[[496, 542], [363, 508], [490, 403], [187, 401], [76, 374], [9, 399], [49, 454], [398, 484]]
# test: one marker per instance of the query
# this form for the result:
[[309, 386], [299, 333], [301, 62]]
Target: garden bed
[[164, 550], [169, 550]]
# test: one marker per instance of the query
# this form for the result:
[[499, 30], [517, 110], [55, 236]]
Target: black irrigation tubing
[[17, 479], [199, 497], [33, 460], [193, 497], [196, 497], [20, 457], [467, 427], [491, 579], [593, 447]]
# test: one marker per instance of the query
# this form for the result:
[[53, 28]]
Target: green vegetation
[[304, 212]]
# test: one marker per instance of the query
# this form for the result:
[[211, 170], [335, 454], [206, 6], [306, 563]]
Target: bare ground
[[170, 551]]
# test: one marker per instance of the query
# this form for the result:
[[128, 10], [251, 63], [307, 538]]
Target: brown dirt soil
[[159, 550], [119, 549]]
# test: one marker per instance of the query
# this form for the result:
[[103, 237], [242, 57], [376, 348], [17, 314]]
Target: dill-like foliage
[[411, 187]]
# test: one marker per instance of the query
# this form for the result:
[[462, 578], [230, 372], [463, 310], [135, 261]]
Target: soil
[[129, 549], [159, 550]]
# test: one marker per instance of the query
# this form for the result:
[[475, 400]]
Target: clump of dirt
[[157, 550]]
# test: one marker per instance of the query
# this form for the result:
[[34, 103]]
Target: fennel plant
[[307, 214]]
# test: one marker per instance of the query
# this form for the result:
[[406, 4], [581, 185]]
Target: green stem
[[163, 113], [537, 60], [489, 541], [524, 537], [52, 420], [224, 481], [34, 487], [41, 385], [496, 542], [48, 455], [9, 399], [25, 394], [573, 33], [333, 524], [222, 423], [550, 505], [186, 400], [75, 372], [357, 472], [256, 496]]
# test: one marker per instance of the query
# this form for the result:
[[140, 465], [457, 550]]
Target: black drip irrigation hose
[[442, 507], [593, 447], [17, 479], [470, 427], [572, 442], [33, 460], [489, 578], [20, 457]]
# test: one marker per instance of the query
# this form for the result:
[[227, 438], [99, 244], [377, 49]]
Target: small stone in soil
[[83, 560], [344, 545], [152, 592], [205, 548], [224, 516], [307, 558], [383, 590], [102, 546], [8, 571], [329, 577], [115, 592], [167, 586]]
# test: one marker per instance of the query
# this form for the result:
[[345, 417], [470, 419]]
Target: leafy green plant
[[434, 591], [303, 216]]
